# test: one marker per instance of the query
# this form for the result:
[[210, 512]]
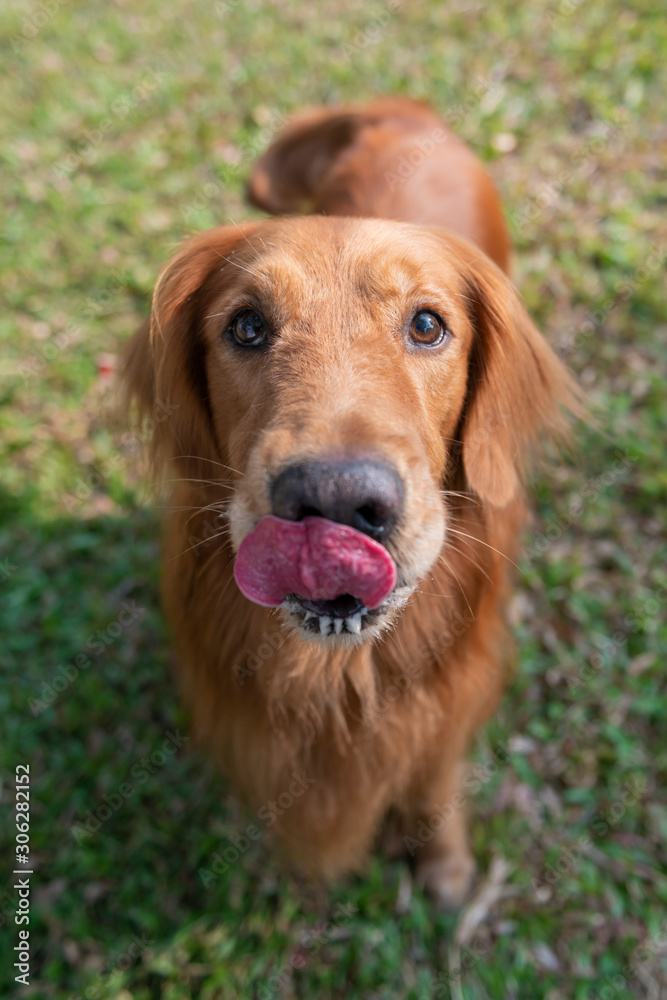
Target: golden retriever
[[354, 397]]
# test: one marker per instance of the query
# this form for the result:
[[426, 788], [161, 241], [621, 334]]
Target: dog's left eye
[[427, 329], [249, 328]]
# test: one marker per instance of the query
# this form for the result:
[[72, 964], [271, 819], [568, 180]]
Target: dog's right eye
[[249, 328], [427, 329]]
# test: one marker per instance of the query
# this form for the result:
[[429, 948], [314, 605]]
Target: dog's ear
[[518, 391], [164, 368], [286, 178]]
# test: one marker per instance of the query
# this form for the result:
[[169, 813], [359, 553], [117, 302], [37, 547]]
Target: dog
[[354, 398]]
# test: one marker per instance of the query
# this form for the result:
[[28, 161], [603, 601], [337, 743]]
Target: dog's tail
[[291, 177], [392, 158], [284, 180]]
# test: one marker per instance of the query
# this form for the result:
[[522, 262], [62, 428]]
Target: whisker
[[211, 538], [205, 482], [223, 591], [201, 510], [195, 507], [204, 566], [450, 510], [470, 559], [241, 267], [458, 583], [200, 458], [466, 496], [475, 539], [242, 234], [467, 298]]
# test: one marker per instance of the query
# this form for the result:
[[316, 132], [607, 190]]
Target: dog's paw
[[448, 880]]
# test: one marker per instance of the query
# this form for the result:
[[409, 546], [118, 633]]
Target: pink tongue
[[314, 558]]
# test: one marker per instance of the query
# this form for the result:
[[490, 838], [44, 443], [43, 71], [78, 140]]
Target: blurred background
[[127, 126]]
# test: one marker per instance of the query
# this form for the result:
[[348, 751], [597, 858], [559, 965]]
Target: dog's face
[[345, 398], [342, 368]]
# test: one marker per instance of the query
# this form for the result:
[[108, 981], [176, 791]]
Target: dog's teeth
[[308, 615], [354, 623], [325, 624], [338, 625]]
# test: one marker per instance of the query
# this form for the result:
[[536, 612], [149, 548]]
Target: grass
[[128, 126]]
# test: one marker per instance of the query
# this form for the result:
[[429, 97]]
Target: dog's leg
[[437, 836]]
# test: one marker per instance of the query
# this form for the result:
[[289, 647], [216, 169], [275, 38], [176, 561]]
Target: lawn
[[127, 126]]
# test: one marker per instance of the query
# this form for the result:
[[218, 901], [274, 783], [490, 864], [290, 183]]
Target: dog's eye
[[249, 328], [427, 329]]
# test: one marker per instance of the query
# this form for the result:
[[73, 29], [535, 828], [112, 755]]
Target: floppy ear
[[164, 368], [517, 390], [285, 179]]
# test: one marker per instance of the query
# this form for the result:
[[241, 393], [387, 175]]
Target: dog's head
[[349, 369]]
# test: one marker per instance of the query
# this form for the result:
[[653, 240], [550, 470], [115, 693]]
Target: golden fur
[[383, 720]]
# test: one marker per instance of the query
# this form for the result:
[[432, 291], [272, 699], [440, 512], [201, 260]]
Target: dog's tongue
[[314, 558]]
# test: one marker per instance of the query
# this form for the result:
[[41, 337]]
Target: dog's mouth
[[318, 559], [328, 579], [344, 614]]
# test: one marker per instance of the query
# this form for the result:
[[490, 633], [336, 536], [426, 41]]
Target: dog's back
[[390, 159]]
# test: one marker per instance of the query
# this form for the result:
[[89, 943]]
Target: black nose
[[365, 494]]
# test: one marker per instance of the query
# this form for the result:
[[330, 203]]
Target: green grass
[[100, 181]]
